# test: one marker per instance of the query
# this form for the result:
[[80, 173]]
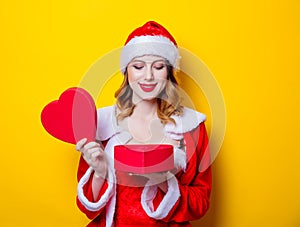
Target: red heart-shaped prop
[[72, 117]]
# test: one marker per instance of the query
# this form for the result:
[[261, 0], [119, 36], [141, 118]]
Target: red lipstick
[[147, 87]]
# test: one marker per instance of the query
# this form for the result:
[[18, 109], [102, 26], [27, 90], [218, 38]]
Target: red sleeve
[[87, 190], [194, 184]]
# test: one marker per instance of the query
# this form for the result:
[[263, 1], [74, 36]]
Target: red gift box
[[142, 158]]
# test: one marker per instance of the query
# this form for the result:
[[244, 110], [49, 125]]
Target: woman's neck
[[145, 109]]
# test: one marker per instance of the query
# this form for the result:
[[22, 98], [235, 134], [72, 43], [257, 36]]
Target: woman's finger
[[80, 144], [93, 153], [91, 145], [96, 156]]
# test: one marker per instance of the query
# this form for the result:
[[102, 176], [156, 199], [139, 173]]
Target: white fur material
[[150, 39], [108, 199], [107, 123], [149, 45], [168, 202], [189, 120], [179, 159]]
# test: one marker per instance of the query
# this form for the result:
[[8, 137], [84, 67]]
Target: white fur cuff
[[166, 204], [94, 206]]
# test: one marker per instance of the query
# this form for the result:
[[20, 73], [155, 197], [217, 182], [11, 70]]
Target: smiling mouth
[[147, 87]]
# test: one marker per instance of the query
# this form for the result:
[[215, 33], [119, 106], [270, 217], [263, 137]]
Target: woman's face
[[147, 76]]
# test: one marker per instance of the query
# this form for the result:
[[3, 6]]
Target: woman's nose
[[149, 74]]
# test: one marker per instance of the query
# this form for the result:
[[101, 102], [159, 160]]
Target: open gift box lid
[[144, 158]]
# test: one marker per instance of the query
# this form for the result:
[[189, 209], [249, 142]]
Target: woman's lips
[[147, 87]]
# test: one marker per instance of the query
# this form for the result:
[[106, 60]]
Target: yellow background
[[252, 48]]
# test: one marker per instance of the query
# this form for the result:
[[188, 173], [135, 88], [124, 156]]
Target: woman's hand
[[94, 155], [159, 179], [156, 178]]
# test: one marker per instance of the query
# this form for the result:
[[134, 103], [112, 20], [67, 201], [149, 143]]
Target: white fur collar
[[108, 127]]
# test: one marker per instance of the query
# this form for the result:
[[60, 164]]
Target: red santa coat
[[122, 204]]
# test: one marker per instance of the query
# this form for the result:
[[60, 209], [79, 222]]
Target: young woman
[[148, 111]]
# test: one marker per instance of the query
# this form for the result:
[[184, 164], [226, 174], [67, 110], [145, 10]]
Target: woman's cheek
[[134, 76]]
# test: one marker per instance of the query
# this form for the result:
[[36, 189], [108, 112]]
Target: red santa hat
[[150, 39]]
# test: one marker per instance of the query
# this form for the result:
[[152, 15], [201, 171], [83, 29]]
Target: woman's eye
[[159, 67], [138, 67]]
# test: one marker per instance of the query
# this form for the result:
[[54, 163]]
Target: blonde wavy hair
[[169, 100]]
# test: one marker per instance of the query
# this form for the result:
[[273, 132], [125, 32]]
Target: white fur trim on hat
[[149, 45]]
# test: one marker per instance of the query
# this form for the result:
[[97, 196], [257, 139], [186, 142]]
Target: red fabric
[[194, 186], [87, 190], [151, 28], [130, 211]]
